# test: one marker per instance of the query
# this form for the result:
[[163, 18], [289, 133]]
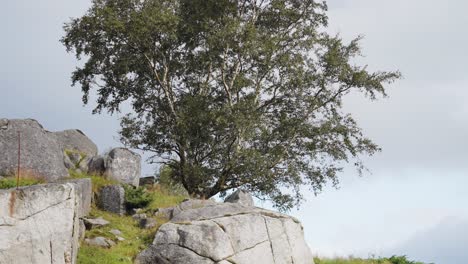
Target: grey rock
[[91, 223], [85, 193], [240, 196], [147, 223], [119, 238], [96, 165], [138, 217], [40, 224], [230, 233], [123, 165], [111, 198], [187, 204], [41, 154], [116, 232], [100, 242], [76, 141], [165, 212], [82, 230]]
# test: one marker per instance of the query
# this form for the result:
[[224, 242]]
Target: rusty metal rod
[[19, 160]]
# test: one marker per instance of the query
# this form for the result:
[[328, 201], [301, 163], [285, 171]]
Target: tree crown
[[228, 93]]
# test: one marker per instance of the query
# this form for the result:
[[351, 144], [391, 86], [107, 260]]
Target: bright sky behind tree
[[414, 201]]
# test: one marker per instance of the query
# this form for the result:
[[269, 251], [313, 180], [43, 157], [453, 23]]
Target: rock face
[[78, 149], [112, 199], [41, 223], [187, 204], [76, 140], [229, 233], [41, 154], [123, 165], [241, 197]]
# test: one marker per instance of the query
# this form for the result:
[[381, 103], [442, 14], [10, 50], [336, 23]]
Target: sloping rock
[[76, 140], [240, 196], [40, 224], [112, 199], [41, 154], [229, 233], [78, 149], [123, 165]]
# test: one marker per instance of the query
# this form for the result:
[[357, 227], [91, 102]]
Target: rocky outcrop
[[41, 154], [41, 223], [111, 198], [228, 233], [123, 165], [50, 154]]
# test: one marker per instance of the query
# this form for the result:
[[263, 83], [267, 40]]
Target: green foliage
[[136, 197], [351, 260], [167, 182], [98, 181], [10, 182], [228, 93]]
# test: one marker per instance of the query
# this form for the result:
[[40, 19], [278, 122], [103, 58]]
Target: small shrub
[[136, 197]]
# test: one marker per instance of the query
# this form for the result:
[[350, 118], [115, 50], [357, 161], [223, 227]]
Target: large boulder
[[41, 154], [77, 148], [123, 165], [228, 233], [41, 223]]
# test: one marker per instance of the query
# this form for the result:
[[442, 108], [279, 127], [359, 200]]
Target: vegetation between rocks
[[136, 238], [352, 260]]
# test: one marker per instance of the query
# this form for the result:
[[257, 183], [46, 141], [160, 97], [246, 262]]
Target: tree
[[228, 93]]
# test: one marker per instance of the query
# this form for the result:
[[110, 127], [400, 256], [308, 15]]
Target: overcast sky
[[415, 200]]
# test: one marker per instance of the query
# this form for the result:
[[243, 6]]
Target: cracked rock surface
[[41, 223], [226, 233]]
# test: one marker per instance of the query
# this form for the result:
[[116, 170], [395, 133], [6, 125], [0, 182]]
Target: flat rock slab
[[91, 223]]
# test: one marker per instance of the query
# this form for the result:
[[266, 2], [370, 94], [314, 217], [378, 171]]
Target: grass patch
[[136, 239], [351, 260], [98, 181], [162, 198], [10, 182]]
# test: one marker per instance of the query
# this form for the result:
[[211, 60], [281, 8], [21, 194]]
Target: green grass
[[136, 239], [351, 260], [10, 182], [98, 181]]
